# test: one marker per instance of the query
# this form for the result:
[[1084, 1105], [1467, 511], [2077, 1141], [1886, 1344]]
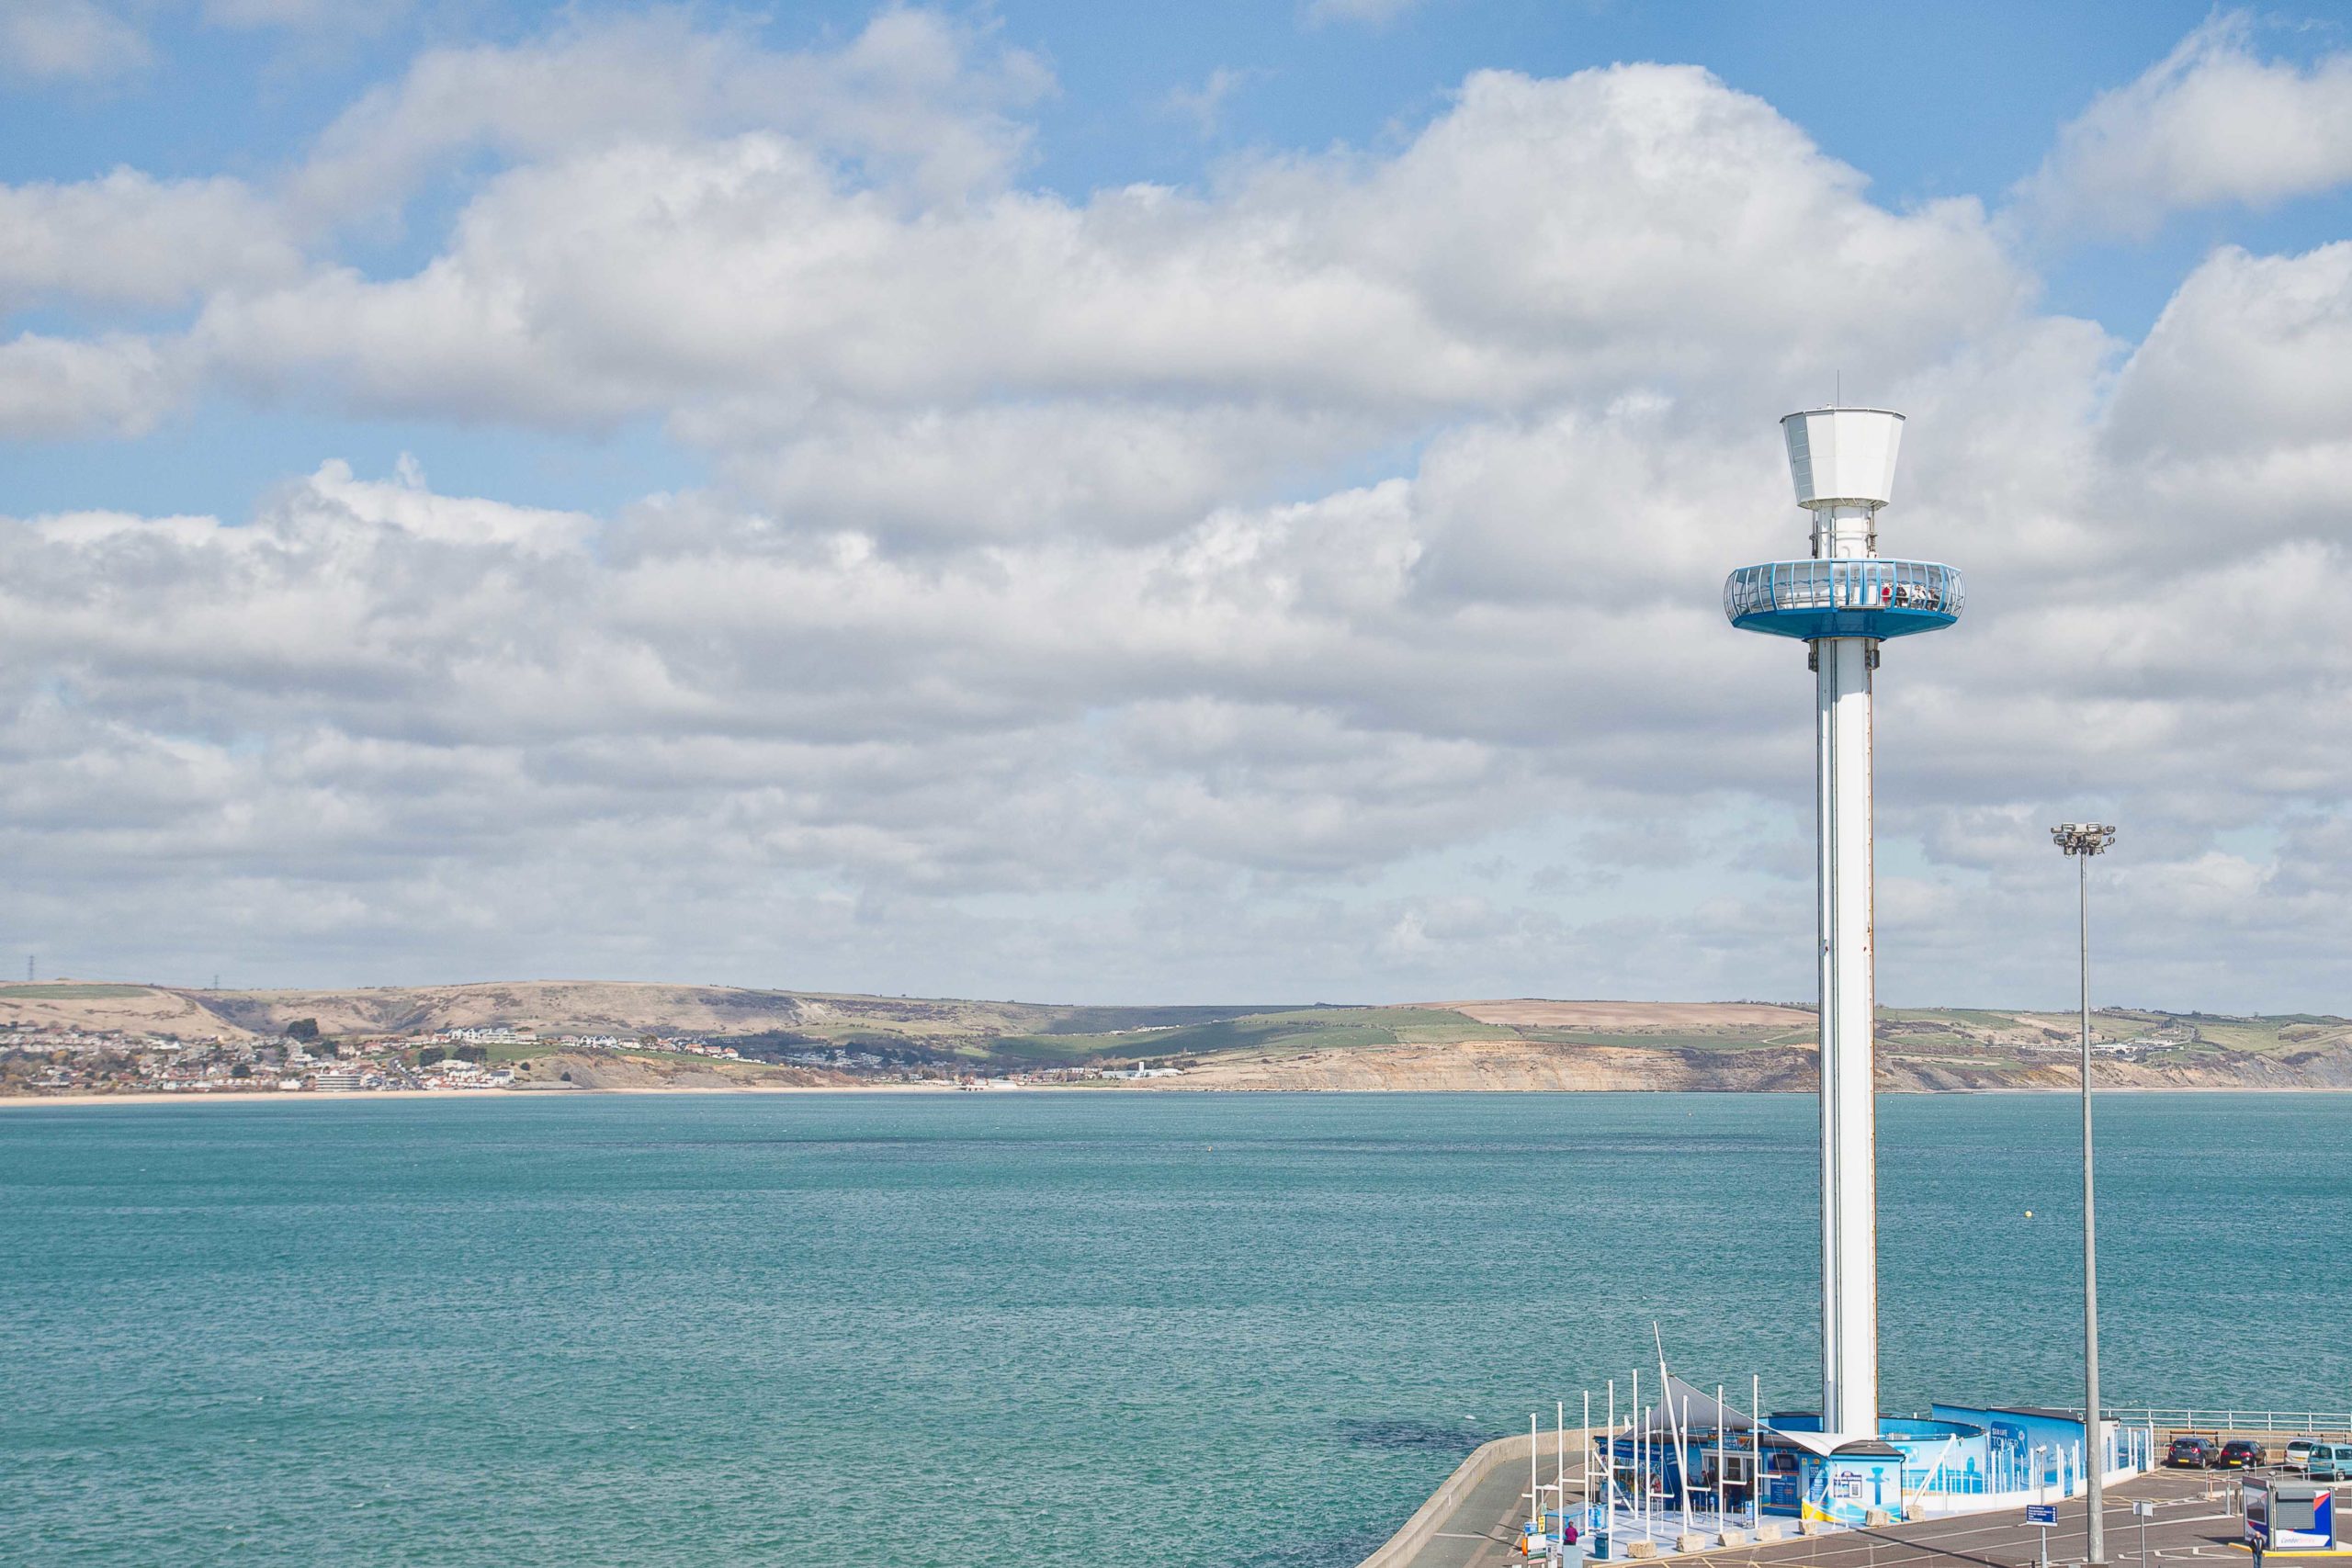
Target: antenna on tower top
[[1837, 389]]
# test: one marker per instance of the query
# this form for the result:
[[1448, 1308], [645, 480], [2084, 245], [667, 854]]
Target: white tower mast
[[1844, 602], [1844, 495]]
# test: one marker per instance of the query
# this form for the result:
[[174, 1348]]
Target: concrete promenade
[[1472, 1518], [2195, 1522], [1483, 1525]]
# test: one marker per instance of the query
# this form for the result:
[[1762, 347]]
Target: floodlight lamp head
[[2084, 838]]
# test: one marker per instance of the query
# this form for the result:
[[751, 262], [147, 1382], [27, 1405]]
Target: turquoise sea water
[[1001, 1330]]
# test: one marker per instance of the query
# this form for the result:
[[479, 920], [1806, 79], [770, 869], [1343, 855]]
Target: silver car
[[2329, 1461]]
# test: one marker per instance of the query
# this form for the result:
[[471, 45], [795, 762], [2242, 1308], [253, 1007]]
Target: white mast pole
[[1674, 1441], [1756, 1442], [1843, 463], [1682, 1461], [1584, 1461], [1842, 701], [1675, 1430]]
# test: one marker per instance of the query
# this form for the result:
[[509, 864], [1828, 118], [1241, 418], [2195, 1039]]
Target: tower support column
[[1849, 1112], [1845, 601]]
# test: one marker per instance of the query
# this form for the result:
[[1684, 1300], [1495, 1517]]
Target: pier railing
[[2237, 1418]]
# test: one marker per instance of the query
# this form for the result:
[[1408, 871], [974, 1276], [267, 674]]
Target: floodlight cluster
[[2083, 837]]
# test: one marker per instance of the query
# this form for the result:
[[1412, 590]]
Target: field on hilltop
[[1534, 1044], [1523, 1043]]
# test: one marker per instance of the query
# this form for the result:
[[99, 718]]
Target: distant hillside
[[1529, 1044], [1499, 1044], [586, 1007]]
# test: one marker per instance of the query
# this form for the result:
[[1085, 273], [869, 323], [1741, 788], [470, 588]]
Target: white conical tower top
[[1843, 456]]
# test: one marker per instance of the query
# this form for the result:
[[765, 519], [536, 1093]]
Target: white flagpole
[[1674, 1430], [1682, 1462], [1756, 1444], [1654, 1475]]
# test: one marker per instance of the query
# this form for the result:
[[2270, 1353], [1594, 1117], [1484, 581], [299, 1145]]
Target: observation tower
[[1843, 603]]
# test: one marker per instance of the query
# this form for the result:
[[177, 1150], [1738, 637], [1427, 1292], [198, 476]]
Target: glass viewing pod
[[1864, 597]]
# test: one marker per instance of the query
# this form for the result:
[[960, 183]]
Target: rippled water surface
[[996, 1329]]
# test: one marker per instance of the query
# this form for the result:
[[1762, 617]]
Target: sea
[[966, 1330]]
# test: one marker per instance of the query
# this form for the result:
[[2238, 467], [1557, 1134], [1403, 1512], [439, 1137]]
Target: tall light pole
[[2081, 840]]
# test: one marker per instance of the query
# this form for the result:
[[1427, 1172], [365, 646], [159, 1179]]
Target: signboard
[[2144, 1509], [2043, 1514], [2284, 1514]]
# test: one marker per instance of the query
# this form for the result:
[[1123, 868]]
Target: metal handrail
[[2234, 1418]]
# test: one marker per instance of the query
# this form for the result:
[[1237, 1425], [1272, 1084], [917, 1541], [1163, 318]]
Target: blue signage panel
[[2043, 1514]]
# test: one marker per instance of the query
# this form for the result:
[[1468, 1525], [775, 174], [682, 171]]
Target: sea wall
[[1399, 1549]]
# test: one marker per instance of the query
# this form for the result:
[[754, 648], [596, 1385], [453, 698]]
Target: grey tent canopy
[[1693, 1410]]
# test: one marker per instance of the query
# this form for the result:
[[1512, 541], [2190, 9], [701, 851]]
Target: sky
[[1162, 505]]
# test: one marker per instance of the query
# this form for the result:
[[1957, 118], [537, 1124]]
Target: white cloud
[[2275, 330], [1020, 469], [2211, 124], [1543, 239], [1205, 104], [1268, 705], [1305, 584], [126, 239], [68, 39], [913, 96], [69, 386]]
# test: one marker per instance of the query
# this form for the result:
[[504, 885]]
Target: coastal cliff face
[[1759, 1047], [66, 1035], [1473, 1065], [1488, 1066]]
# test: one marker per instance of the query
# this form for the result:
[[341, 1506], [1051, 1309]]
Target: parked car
[[2242, 1454], [2193, 1453], [2298, 1456], [2329, 1461]]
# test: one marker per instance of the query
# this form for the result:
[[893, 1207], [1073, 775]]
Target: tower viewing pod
[[1844, 601]]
